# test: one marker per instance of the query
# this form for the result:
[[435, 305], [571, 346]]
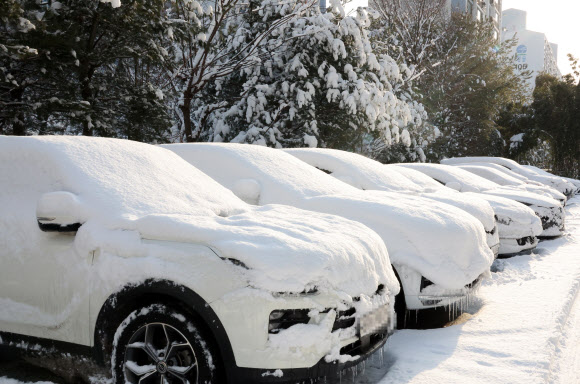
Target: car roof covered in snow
[[447, 174], [557, 182], [491, 174], [354, 169], [367, 174], [419, 178]]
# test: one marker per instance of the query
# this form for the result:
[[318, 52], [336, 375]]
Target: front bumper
[[511, 247], [245, 317], [419, 296], [553, 220], [321, 369]]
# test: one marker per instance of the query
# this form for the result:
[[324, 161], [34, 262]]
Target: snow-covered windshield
[[118, 177], [356, 170], [425, 182], [449, 174], [491, 174], [280, 174], [506, 163]]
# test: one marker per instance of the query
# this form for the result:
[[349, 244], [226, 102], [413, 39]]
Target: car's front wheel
[[160, 345]]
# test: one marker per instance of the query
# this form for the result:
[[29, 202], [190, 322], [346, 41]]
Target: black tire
[[401, 309], [140, 348]]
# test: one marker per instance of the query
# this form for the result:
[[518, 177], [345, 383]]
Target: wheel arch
[[131, 297]]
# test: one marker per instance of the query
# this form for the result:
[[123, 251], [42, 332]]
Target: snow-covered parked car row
[[236, 263]]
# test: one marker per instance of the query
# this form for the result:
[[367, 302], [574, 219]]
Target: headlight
[[284, 319]]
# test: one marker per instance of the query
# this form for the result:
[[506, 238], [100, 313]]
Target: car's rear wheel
[[160, 345]]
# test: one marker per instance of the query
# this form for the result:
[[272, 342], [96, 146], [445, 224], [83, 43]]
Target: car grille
[[525, 240], [344, 319]]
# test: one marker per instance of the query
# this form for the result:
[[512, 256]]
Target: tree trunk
[[18, 128], [186, 111], [86, 75]]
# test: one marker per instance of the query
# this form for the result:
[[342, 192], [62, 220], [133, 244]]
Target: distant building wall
[[490, 10], [533, 52]]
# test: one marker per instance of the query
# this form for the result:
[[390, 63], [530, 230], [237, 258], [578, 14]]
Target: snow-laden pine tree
[[94, 71], [317, 83], [15, 64], [211, 41]]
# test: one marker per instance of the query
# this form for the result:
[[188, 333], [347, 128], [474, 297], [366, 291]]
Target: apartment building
[[533, 52], [489, 10]]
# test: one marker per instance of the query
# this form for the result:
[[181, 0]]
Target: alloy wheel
[[158, 353]]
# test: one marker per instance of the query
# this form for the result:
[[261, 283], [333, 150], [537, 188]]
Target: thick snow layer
[[443, 243], [419, 178], [514, 220], [523, 329], [354, 169], [469, 182], [462, 180], [367, 174], [539, 171], [507, 180], [128, 191], [491, 174], [556, 182]]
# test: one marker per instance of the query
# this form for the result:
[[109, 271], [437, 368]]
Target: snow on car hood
[[514, 220], [367, 174], [130, 187], [525, 197], [475, 206], [443, 243], [287, 249]]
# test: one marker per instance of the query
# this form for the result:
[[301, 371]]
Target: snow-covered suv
[[125, 252], [439, 252]]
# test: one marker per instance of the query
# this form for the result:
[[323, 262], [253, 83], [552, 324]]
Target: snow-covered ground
[[523, 327]]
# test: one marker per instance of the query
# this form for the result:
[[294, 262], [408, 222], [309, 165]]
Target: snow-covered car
[[506, 178], [539, 171], [125, 252], [550, 211], [518, 226], [555, 182], [370, 175], [439, 252]]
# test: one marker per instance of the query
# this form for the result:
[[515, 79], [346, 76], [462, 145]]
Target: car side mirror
[[58, 212], [248, 190]]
